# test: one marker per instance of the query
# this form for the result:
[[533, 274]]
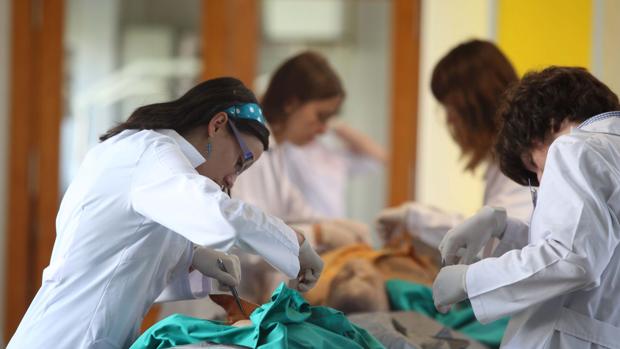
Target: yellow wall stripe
[[539, 33]]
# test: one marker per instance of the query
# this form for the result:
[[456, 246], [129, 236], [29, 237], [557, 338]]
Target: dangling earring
[[209, 148]]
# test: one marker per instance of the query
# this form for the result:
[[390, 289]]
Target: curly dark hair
[[536, 108], [471, 79]]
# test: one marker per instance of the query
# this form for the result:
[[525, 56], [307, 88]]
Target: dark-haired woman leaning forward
[[148, 218]]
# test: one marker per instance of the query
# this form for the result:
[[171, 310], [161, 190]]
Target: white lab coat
[[430, 224], [125, 231], [267, 185], [321, 171], [563, 288]]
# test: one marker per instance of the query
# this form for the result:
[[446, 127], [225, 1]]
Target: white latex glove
[[310, 268], [205, 261], [469, 237], [339, 232], [391, 221], [449, 287]]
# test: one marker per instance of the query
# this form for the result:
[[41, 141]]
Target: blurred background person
[[468, 82], [303, 96], [314, 94]]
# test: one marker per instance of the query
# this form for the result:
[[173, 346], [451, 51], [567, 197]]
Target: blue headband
[[249, 111]]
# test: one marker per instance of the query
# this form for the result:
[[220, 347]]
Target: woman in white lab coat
[[334, 150], [303, 95], [468, 82], [147, 218], [560, 286]]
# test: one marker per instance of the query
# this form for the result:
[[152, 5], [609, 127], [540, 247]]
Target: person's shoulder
[[149, 138], [585, 152], [139, 135], [583, 141], [143, 141]]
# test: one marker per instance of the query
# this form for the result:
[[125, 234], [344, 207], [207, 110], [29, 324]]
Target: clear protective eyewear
[[247, 157]]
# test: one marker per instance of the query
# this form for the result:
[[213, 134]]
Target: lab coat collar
[[194, 156], [606, 123]]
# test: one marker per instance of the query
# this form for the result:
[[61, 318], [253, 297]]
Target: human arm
[[571, 246], [169, 191]]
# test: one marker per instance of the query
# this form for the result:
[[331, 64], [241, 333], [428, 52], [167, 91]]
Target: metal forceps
[[233, 290]]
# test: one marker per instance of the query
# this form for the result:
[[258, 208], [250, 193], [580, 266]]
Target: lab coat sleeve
[[184, 284], [516, 236], [192, 285], [572, 232], [169, 191]]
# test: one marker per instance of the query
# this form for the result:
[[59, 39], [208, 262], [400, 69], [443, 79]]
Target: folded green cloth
[[405, 295], [288, 321]]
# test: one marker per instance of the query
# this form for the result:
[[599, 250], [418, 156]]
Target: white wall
[[5, 25], [366, 74], [441, 181], [90, 44]]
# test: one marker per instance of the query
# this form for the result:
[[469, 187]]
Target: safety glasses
[[247, 157]]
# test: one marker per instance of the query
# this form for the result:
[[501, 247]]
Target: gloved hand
[[469, 237], [310, 268], [391, 221], [205, 261], [337, 233], [449, 287]]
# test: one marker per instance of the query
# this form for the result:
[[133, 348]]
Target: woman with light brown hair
[[468, 82], [301, 104], [304, 94]]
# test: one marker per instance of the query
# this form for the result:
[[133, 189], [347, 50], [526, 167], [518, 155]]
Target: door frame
[[404, 104], [34, 125]]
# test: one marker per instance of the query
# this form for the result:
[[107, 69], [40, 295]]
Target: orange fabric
[[392, 262]]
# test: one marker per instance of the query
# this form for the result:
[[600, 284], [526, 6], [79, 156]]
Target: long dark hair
[[471, 79], [305, 77], [195, 108]]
